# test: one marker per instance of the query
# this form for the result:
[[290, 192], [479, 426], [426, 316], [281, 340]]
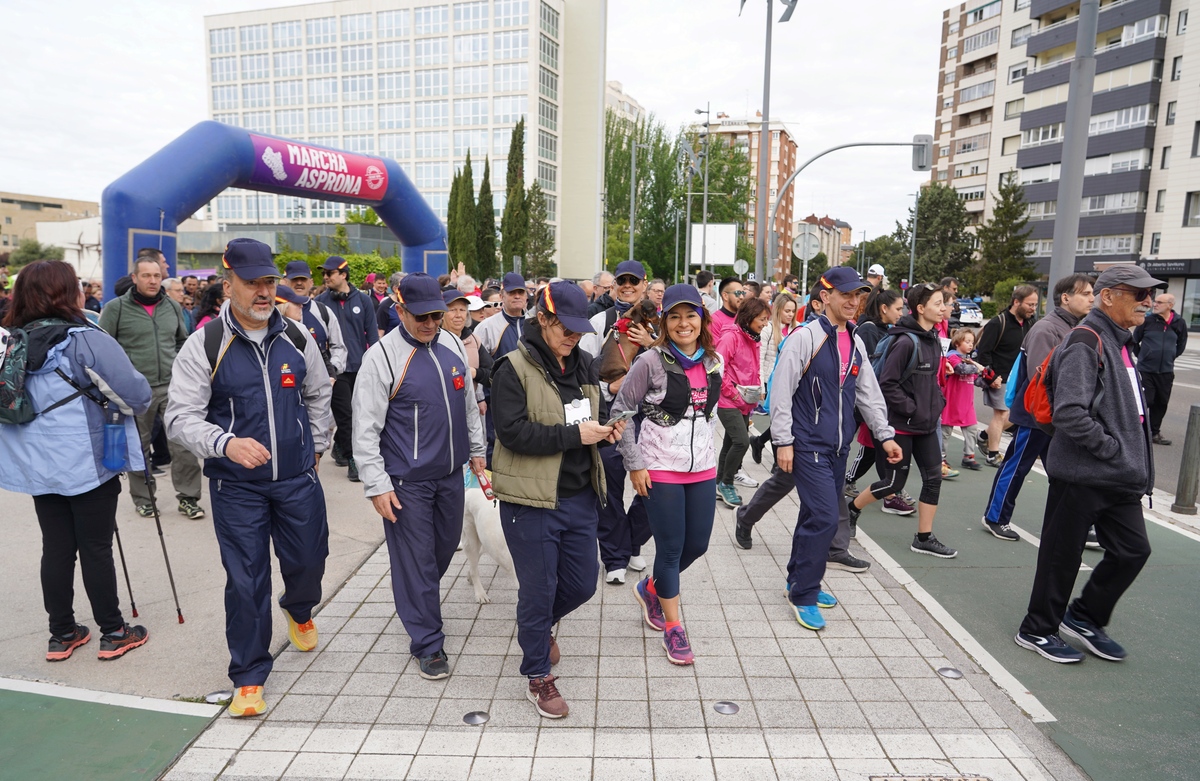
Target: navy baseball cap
[[297, 269], [844, 279], [336, 263], [513, 282], [249, 259], [450, 296], [632, 267], [567, 302], [420, 294], [285, 295], [681, 294]]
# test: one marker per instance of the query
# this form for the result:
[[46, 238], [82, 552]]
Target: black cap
[[512, 282], [567, 302], [336, 263], [420, 294], [297, 269], [285, 295], [680, 294], [249, 259]]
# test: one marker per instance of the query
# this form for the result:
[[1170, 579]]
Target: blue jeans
[[681, 518]]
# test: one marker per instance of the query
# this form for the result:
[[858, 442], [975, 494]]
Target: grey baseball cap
[[1126, 274]]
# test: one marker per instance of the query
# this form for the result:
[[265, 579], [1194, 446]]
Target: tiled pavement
[[860, 699]]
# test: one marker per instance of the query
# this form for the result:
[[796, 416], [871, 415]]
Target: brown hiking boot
[[545, 697], [555, 654]]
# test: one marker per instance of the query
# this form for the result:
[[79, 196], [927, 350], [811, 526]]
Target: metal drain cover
[[476, 717], [726, 707], [950, 672], [216, 698]]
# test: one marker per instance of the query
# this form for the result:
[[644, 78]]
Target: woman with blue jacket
[[76, 378]]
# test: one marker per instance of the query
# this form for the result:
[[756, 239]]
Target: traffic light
[[922, 158]]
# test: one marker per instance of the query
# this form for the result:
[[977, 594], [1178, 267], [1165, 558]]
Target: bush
[[1002, 293], [989, 309], [360, 265]]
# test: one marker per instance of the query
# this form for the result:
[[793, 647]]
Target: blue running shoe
[[1093, 637], [729, 495], [1052, 647], [809, 617], [826, 600]]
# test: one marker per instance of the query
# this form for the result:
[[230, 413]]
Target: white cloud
[[93, 89]]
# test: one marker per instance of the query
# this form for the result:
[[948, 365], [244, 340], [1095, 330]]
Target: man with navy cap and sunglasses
[[250, 396], [416, 424], [318, 318], [355, 311]]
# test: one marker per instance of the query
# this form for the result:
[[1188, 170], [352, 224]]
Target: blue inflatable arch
[[145, 206]]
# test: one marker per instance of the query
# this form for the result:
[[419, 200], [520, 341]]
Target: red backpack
[[1038, 394]]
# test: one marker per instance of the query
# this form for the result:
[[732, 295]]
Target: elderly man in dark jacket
[[1100, 464], [1157, 343]]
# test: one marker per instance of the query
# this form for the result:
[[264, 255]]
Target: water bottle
[[114, 459]]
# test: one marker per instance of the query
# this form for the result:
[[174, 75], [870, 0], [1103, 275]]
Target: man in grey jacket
[[1100, 464]]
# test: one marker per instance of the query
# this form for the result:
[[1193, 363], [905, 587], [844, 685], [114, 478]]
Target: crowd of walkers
[[558, 390]]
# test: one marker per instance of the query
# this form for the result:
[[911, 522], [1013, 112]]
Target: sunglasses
[[434, 316], [1138, 295], [567, 332], [739, 293], [628, 279]]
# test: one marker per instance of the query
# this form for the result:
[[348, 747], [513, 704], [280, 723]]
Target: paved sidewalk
[[860, 699]]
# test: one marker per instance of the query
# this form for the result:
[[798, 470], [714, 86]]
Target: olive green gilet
[[533, 480]]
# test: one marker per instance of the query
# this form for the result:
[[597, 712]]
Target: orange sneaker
[[303, 636], [247, 701]]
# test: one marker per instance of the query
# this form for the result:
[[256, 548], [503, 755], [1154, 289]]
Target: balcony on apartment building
[[1059, 29], [1134, 31], [1129, 128]]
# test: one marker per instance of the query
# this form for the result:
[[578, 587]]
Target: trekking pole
[[150, 487], [121, 550]]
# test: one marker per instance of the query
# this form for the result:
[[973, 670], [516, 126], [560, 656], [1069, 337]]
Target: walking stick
[[121, 550], [150, 487]]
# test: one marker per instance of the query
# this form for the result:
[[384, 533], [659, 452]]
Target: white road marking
[[1017, 691], [201, 710]]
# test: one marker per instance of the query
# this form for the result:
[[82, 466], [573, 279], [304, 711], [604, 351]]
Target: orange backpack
[[1038, 394]]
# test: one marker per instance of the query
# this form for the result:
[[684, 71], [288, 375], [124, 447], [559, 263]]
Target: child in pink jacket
[[959, 389]]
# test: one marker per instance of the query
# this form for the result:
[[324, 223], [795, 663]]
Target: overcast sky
[[91, 88]]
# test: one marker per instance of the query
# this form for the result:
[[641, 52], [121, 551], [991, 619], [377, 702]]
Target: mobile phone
[[623, 415]]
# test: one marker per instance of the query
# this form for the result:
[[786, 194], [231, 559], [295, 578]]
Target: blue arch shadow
[[145, 206]]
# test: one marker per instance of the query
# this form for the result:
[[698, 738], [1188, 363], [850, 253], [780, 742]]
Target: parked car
[[969, 313]]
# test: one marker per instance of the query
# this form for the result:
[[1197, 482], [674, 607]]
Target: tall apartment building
[[423, 83], [622, 103], [744, 135], [982, 68]]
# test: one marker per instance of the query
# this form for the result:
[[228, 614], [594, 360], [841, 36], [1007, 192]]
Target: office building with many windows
[[423, 83]]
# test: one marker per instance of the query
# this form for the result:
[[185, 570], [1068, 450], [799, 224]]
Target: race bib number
[[578, 411]]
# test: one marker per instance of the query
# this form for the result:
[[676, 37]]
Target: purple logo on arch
[[313, 170]]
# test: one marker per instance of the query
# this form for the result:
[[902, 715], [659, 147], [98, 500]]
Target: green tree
[[539, 244], [943, 241], [362, 215], [730, 188], [339, 244], [30, 250], [485, 227], [514, 223], [889, 251], [464, 226], [1002, 239], [452, 216]]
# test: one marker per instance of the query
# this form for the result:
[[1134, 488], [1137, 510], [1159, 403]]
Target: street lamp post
[[912, 250], [704, 207]]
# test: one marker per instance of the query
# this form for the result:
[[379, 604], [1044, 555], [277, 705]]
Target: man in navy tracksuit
[[822, 375], [319, 319], [355, 311], [416, 423], [250, 395]]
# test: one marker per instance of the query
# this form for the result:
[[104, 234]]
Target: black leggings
[[922, 448], [862, 464]]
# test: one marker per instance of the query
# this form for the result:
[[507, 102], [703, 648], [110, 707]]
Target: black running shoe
[[352, 471], [1093, 637], [756, 449], [114, 646], [741, 534], [62, 647], [339, 459], [847, 563], [435, 666], [932, 547]]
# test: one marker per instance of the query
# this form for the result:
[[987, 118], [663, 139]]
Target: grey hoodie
[[1112, 450]]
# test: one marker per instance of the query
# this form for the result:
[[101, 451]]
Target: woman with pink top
[[959, 388], [673, 387], [741, 390]]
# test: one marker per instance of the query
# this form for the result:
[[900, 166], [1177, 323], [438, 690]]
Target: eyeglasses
[[434, 316], [1139, 295]]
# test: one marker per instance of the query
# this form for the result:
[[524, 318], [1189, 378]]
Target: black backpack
[[214, 335], [16, 408]]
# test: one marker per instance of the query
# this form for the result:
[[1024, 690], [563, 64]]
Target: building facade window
[[256, 66], [1196, 140], [257, 121], [1160, 201], [511, 45], [323, 90], [471, 81], [432, 174], [547, 176], [977, 91], [1042, 210], [1021, 35], [952, 53], [1114, 203], [356, 88], [357, 58], [1122, 119], [325, 210], [972, 143], [358, 118], [431, 113], [547, 114], [322, 61], [229, 207], [1166, 157], [1177, 68], [393, 24], [289, 64], [431, 20], [1191, 210], [511, 77], [984, 12], [256, 95], [356, 27], [511, 13], [397, 146], [322, 120], [287, 35], [228, 119], [395, 85], [1171, 112], [1013, 108], [393, 54], [319, 31], [501, 140], [548, 83], [509, 109], [547, 145], [289, 122], [1155, 240], [980, 40], [225, 97], [1017, 72], [433, 83], [431, 51], [1021, 5], [949, 78], [254, 37], [549, 19], [548, 51], [1037, 136], [471, 111], [1181, 27], [432, 144], [471, 48], [473, 141], [222, 40], [471, 16], [395, 116]]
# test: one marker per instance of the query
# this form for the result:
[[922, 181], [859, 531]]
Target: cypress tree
[[485, 227], [539, 244], [514, 223], [465, 228], [452, 218]]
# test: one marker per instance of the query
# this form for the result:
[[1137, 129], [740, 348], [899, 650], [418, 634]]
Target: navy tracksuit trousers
[[771, 493], [248, 517], [1027, 446], [421, 544], [621, 532], [554, 553], [819, 479]]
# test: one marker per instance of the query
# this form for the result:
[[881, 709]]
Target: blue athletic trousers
[[681, 518], [1027, 446], [554, 553], [247, 518], [421, 544], [819, 480], [621, 533]]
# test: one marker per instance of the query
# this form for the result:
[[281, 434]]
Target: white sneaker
[[637, 563], [744, 479], [616, 577]]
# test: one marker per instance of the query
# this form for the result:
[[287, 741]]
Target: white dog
[[482, 533]]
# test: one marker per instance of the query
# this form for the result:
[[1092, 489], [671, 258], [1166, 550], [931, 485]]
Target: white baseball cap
[[475, 303], [875, 271]]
